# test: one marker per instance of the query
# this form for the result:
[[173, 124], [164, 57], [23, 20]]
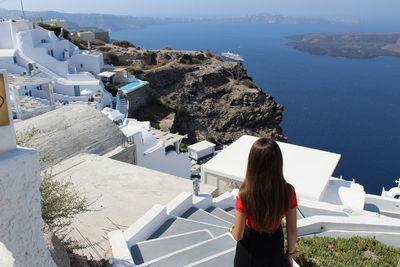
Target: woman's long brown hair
[[264, 193]]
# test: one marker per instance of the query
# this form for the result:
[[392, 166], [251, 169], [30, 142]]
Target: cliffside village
[[154, 203]]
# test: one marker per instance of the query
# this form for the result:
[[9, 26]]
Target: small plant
[[24, 138], [61, 203], [60, 200], [183, 147], [155, 124]]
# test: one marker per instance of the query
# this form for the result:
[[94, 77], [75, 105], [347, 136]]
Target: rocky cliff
[[200, 94]]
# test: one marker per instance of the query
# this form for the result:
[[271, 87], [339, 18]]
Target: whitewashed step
[[223, 259], [220, 213], [205, 217], [196, 253], [175, 226], [152, 249], [231, 211], [299, 215]]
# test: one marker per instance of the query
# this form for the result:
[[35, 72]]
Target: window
[[81, 65], [77, 90]]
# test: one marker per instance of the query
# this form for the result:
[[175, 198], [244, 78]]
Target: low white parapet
[[119, 247], [146, 225], [224, 201], [319, 224], [202, 201], [6, 257], [179, 204]]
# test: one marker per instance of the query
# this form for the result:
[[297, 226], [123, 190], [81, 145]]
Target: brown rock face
[[212, 99]]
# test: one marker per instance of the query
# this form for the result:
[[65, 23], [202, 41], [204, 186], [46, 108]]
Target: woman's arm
[[291, 231], [238, 227]]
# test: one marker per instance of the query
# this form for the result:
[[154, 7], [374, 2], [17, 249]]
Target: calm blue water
[[347, 106]]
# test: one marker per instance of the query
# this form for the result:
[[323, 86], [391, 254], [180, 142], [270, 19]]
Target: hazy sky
[[360, 9]]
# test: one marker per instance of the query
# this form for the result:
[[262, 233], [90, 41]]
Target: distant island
[[281, 19], [348, 45], [108, 22]]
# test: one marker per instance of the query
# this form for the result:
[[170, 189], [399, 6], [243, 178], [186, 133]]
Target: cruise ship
[[232, 56]]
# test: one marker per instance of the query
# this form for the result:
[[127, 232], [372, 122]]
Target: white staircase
[[188, 231], [122, 106], [122, 103]]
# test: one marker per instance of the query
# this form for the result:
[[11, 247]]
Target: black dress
[[259, 249]]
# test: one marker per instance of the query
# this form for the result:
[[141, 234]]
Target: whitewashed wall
[[27, 45], [6, 40], [171, 162], [20, 212], [92, 63]]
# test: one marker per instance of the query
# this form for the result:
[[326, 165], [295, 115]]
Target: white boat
[[232, 56]]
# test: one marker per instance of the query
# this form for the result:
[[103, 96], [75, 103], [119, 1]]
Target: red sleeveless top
[[240, 208]]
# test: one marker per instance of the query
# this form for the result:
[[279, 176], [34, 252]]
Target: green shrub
[[60, 200], [155, 124], [97, 42], [124, 44], [24, 138], [111, 88], [55, 29], [183, 147], [81, 44], [135, 70], [354, 251], [61, 203], [111, 58]]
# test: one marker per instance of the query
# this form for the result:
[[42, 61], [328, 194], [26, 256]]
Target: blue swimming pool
[[131, 85]]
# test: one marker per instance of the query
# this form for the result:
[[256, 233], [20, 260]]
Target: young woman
[[264, 199]]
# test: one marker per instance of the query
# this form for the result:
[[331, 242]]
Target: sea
[[346, 106]]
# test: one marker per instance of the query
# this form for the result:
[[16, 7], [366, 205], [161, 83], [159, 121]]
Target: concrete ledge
[[119, 247], [320, 224], [202, 201], [146, 225], [226, 200], [179, 204]]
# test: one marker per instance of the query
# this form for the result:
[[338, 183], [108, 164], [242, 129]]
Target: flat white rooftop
[[121, 193], [107, 74], [200, 146], [307, 169], [19, 80], [7, 52]]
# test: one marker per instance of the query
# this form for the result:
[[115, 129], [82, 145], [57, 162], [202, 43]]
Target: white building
[[91, 35], [308, 170], [201, 150], [26, 49], [156, 149]]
